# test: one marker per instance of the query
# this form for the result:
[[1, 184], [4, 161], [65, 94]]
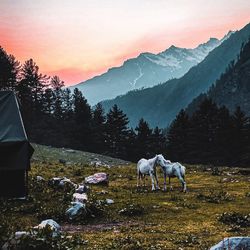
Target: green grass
[[168, 220]]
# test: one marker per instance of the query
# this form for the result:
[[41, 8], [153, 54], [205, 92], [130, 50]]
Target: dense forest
[[55, 116]]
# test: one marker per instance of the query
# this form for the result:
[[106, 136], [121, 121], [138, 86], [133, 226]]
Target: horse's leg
[[183, 183], [156, 179], [139, 178], [152, 180], [165, 182], [171, 188], [144, 179]]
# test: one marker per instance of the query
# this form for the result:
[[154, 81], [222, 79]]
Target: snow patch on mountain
[[146, 70], [137, 78]]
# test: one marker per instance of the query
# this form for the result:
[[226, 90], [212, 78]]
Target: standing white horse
[[172, 169], [147, 167]]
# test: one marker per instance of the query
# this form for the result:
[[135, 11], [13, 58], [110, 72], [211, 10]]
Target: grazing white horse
[[147, 167], [172, 169]]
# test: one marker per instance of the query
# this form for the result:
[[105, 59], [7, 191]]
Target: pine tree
[[202, 138], [223, 137], [48, 101], [116, 132], [158, 141], [98, 129], [9, 71], [57, 85], [144, 140], [36, 82], [177, 137], [239, 135], [131, 152], [82, 116]]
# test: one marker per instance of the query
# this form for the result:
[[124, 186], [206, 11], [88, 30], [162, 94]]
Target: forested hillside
[[233, 87], [160, 104]]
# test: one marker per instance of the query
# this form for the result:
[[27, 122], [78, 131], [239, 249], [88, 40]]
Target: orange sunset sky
[[79, 39]]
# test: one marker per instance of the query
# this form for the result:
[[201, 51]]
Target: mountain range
[[160, 104], [145, 71], [233, 87]]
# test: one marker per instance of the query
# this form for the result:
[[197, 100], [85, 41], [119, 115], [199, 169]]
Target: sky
[[78, 39]]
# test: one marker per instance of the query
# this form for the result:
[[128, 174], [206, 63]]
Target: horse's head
[[162, 161]]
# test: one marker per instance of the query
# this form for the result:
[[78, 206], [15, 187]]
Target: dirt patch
[[69, 228]]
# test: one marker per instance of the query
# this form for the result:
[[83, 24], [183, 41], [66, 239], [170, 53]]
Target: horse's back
[[142, 161], [143, 166]]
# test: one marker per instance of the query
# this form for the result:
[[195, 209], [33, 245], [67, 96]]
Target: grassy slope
[[172, 220]]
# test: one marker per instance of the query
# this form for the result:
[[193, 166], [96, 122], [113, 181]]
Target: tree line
[[53, 115], [210, 135]]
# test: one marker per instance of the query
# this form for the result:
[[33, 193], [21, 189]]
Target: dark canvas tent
[[15, 149]]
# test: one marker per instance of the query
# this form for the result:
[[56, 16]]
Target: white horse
[[147, 167], [172, 169]]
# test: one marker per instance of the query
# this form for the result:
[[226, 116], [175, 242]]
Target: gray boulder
[[233, 243]]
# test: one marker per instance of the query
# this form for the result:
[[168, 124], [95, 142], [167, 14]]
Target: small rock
[[109, 201], [98, 178], [19, 234], [80, 197], [103, 192], [40, 178], [62, 161], [76, 210], [53, 225], [82, 189]]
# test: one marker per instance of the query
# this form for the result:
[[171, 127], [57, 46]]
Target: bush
[[43, 239], [132, 210], [216, 171], [237, 219], [215, 197]]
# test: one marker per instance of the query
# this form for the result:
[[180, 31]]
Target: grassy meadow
[[215, 206]]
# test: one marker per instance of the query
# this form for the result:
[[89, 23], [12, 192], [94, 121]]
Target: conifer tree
[[82, 117], [57, 85], [202, 135], [35, 82], [239, 135], [116, 132], [144, 140], [177, 137], [158, 141], [98, 129], [9, 71]]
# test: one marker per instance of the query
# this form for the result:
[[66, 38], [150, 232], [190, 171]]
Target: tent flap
[[11, 125], [15, 149]]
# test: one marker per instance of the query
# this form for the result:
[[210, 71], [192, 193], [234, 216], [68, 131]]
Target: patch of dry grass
[[170, 220]]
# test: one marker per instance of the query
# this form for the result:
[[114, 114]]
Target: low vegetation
[[215, 206]]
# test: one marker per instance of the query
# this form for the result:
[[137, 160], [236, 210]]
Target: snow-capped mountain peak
[[146, 70]]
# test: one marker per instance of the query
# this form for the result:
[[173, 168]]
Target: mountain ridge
[[145, 70], [160, 104]]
